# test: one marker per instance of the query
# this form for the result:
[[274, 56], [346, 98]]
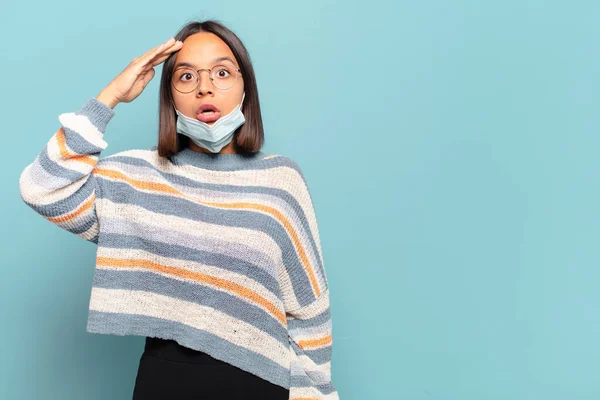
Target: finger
[[148, 77], [154, 51], [159, 60], [164, 54], [168, 49], [173, 47], [151, 51]]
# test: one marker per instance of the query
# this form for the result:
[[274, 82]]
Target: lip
[[210, 117]]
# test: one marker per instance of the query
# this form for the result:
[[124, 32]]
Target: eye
[[222, 73], [184, 75]]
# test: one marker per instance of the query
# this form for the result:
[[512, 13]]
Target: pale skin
[[199, 49]]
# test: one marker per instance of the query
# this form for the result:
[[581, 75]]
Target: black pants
[[169, 371]]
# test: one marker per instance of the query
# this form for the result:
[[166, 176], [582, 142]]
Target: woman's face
[[206, 50]]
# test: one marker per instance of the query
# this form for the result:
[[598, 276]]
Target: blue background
[[451, 149]]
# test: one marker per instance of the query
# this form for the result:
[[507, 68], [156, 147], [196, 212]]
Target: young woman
[[207, 246]]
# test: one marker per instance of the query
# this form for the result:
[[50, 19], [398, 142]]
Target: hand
[[131, 82]]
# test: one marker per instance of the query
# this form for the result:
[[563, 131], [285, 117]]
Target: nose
[[204, 83]]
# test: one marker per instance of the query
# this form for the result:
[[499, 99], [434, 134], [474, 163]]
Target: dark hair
[[249, 137]]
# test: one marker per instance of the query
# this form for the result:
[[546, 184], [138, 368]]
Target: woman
[[206, 246]]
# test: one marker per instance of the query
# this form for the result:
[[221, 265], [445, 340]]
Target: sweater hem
[[137, 325]]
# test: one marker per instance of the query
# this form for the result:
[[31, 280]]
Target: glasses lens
[[185, 80], [224, 76]]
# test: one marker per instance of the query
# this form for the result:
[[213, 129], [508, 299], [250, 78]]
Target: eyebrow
[[216, 60]]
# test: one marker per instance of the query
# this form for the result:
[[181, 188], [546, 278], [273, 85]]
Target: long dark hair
[[249, 137]]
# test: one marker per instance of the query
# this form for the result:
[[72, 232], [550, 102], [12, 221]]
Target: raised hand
[[133, 79]]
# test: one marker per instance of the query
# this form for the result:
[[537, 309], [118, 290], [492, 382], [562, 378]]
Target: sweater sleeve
[[308, 309], [310, 336], [60, 183]]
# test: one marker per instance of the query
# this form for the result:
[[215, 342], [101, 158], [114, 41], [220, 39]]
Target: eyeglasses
[[222, 76]]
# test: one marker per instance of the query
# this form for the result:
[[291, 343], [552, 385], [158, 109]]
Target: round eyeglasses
[[222, 76]]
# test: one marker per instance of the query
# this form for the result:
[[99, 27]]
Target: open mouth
[[208, 115]]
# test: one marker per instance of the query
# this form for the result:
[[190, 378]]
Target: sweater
[[219, 252]]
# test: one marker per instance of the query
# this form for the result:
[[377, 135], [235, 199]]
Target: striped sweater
[[219, 252]]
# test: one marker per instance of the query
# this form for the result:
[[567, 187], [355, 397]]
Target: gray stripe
[[312, 330], [69, 203], [296, 213], [193, 292], [319, 319], [303, 381], [164, 235], [87, 223], [84, 221], [95, 238], [217, 162], [319, 356], [233, 193], [197, 339], [220, 260], [55, 169], [43, 180], [256, 164], [121, 192], [79, 144], [97, 112]]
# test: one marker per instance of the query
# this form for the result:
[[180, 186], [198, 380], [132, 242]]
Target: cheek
[[176, 99], [182, 103]]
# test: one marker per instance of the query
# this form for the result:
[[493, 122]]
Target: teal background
[[451, 149]]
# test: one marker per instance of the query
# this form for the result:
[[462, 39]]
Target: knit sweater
[[219, 252]]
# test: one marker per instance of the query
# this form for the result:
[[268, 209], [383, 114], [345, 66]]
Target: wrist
[[107, 98]]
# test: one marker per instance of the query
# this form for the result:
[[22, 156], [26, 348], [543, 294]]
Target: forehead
[[203, 49]]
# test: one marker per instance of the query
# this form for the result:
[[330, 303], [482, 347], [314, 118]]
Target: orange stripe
[[286, 223], [67, 155], [198, 277], [303, 344], [84, 207], [161, 187], [241, 290]]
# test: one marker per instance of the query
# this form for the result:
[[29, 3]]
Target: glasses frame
[[210, 76]]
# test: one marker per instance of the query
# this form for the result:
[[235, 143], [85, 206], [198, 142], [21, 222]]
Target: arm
[[59, 184], [308, 309]]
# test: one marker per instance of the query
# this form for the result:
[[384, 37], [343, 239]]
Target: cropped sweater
[[219, 252]]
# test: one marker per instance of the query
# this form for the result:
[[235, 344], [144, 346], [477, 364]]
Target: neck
[[217, 161], [228, 149]]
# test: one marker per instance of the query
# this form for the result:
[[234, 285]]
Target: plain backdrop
[[451, 148]]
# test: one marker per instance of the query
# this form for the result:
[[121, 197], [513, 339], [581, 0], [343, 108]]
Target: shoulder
[[287, 164], [132, 156], [291, 176]]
